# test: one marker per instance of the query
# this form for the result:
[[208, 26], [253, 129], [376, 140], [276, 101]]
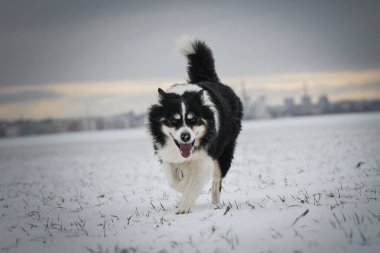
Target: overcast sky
[[45, 45]]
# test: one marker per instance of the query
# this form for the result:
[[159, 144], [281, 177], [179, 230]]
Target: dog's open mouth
[[185, 148]]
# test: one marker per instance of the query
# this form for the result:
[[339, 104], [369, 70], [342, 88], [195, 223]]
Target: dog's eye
[[194, 119], [174, 121]]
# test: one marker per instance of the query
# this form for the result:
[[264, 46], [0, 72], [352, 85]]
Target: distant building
[[323, 104], [306, 105], [260, 109], [289, 107], [13, 130]]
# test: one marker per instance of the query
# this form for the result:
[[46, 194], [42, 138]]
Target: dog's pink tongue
[[185, 149]]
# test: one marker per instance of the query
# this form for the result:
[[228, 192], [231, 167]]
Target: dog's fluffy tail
[[201, 66]]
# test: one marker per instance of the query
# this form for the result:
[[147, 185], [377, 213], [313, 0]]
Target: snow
[[106, 192]]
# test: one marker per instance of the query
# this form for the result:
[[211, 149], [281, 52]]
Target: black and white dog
[[195, 126]]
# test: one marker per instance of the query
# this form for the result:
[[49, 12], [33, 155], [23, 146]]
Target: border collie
[[194, 127]]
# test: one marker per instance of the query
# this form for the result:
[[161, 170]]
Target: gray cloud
[[27, 96], [59, 41]]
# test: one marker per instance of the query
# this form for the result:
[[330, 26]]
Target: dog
[[195, 126]]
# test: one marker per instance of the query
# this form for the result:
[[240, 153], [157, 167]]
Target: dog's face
[[182, 121]]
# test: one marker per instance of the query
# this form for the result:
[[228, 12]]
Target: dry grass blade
[[299, 217], [227, 209]]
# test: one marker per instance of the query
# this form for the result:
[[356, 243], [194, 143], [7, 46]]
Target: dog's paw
[[182, 210], [216, 206], [216, 201], [183, 207]]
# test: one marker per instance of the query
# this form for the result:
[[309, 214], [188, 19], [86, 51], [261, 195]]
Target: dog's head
[[182, 121]]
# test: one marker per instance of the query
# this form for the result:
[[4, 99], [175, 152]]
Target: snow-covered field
[[296, 185]]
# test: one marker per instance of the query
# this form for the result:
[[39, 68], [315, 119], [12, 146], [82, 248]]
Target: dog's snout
[[185, 137]]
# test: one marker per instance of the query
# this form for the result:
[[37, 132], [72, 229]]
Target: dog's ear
[[161, 94]]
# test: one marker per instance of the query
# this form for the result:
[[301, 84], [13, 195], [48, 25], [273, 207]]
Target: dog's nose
[[185, 137]]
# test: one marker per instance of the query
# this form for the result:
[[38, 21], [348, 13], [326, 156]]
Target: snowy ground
[[296, 185]]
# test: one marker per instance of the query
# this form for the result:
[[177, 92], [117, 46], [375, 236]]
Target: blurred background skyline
[[62, 59]]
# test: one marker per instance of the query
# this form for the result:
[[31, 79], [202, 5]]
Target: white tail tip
[[185, 45]]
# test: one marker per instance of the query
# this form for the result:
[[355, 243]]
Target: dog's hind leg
[[226, 158], [216, 184], [222, 165]]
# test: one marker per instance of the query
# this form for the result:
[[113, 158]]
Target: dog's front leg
[[189, 196], [176, 177], [198, 177]]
